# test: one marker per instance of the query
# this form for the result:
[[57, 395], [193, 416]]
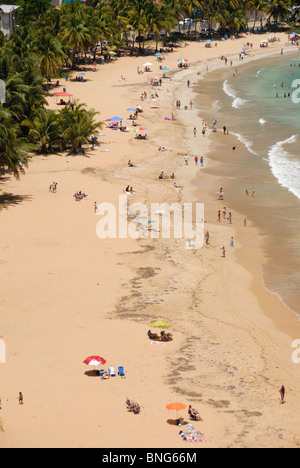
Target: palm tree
[[279, 9], [49, 49], [74, 30], [160, 17], [77, 125], [44, 129], [137, 15], [11, 155]]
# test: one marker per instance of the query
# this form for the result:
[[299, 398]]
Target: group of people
[[53, 187], [133, 406], [129, 190], [162, 175], [141, 137], [79, 195]]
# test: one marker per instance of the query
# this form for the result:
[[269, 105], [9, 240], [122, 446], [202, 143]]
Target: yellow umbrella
[[160, 324]]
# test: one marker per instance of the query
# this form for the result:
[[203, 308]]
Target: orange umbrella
[[177, 406]]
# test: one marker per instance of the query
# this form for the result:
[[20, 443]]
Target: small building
[[8, 21]]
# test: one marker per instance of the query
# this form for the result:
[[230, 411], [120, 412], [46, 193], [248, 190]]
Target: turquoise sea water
[[272, 124], [245, 100]]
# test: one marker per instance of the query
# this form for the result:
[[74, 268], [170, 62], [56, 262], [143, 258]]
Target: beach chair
[[111, 371], [121, 372]]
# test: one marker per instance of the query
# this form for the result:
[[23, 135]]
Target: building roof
[[8, 8]]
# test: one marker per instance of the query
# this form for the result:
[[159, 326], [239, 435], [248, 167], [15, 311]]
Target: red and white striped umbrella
[[94, 361]]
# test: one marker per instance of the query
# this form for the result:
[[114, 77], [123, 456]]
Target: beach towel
[[158, 342]]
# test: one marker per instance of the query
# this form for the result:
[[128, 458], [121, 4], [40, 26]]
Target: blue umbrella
[[130, 109], [116, 119], [81, 74], [158, 54], [209, 40], [165, 69]]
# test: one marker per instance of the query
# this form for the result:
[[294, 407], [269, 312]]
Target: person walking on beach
[[196, 160], [223, 251], [201, 161], [188, 83], [219, 216], [207, 237], [20, 398], [282, 393], [195, 132], [230, 218], [224, 212], [186, 158], [232, 242], [224, 130]]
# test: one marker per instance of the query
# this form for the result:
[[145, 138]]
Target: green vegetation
[[49, 39]]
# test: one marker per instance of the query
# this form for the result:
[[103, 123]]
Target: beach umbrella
[[63, 93], [131, 109], [182, 60], [140, 129], [111, 52], [160, 324], [94, 361], [158, 54], [115, 119], [81, 74], [165, 69], [176, 406], [147, 64], [209, 40]]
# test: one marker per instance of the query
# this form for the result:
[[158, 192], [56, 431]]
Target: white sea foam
[[262, 121], [245, 142], [237, 102], [228, 89], [285, 166], [216, 105], [259, 72]]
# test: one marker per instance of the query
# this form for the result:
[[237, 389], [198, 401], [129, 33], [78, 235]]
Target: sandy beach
[[66, 294]]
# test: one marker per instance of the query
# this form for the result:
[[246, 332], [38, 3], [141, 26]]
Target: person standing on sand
[[188, 83], [223, 251], [207, 237], [20, 398], [232, 242], [195, 132], [201, 161], [282, 393], [219, 216], [196, 160], [186, 158]]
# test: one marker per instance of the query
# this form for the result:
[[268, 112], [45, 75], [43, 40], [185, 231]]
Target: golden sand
[[66, 294]]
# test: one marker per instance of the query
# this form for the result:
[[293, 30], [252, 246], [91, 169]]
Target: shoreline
[[138, 282], [287, 328]]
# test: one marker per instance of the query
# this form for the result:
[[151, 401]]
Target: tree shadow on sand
[[9, 199]]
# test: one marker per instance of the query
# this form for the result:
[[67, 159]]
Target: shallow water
[[245, 100]]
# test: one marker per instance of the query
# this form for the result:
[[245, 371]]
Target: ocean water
[[260, 105]]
